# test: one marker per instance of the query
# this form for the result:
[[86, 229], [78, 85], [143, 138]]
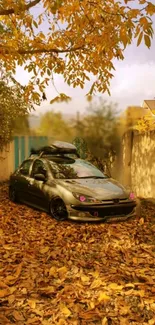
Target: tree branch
[[5, 12], [108, 13], [40, 51], [37, 51]]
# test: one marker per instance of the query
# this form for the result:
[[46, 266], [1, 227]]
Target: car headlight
[[85, 198], [132, 196]]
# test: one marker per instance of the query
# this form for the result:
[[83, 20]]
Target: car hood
[[106, 188]]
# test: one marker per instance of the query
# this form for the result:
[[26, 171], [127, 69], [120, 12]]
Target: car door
[[21, 180], [38, 189]]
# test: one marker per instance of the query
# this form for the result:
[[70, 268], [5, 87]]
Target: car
[[56, 180]]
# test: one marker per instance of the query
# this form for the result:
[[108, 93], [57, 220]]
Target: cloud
[[140, 54], [133, 83]]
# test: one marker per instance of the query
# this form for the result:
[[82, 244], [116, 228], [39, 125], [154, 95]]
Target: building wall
[[137, 163], [6, 162], [143, 165]]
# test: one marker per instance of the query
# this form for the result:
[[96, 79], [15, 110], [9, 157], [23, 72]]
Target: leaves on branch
[[80, 39], [61, 98], [147, 41], [44, 96], [13, 110]]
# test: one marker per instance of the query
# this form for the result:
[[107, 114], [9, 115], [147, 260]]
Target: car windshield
[[73, 169]]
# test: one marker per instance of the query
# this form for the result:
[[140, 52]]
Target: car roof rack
[[57, 148]]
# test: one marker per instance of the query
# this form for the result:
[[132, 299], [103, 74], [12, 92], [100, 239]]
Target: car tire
[[13, 194], [58, 209]]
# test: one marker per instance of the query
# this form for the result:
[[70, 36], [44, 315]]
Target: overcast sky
[[134, 81]]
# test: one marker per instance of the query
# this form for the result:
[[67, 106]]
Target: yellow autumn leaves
[[72, 38]]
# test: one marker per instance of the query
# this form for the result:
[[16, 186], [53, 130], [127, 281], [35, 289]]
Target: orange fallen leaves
[[97, 283], [74, 273], [62, 271], [65, 310], [47, 290], [11, 279], [4, 320], [44, 250], [103, 297], [90, 315], [53, 271], [4, 293], [33, 320], [115, 286], [85, 279], [17, 315]]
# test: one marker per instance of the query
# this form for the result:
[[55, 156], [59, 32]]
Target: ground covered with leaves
[[72, 273]]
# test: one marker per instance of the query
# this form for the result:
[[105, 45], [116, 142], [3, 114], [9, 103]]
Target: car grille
[[112, 210], [115, 201]]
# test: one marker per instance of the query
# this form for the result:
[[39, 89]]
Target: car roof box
[[57, 147]]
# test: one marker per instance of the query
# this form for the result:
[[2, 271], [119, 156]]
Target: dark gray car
[[67, 187]]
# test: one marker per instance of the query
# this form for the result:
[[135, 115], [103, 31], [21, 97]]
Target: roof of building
[[149, 104]]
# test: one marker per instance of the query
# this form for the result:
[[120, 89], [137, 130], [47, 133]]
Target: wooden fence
[[15, 152]]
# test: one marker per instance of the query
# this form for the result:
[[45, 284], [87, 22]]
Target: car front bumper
[[102, 212]]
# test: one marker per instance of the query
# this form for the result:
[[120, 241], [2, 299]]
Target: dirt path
[[69, 273]]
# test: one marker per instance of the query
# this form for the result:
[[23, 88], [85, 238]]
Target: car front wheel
[[12, 194], [58, 209]]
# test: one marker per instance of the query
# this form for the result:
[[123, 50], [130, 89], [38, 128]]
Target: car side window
[[60, 170], [25, 167], [39, 168]]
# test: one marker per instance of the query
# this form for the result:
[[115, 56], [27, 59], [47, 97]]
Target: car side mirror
[[40, 177], [23, 171]]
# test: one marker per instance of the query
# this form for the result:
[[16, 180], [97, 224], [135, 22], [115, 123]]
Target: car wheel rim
[[12, 194], [58, 210]]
